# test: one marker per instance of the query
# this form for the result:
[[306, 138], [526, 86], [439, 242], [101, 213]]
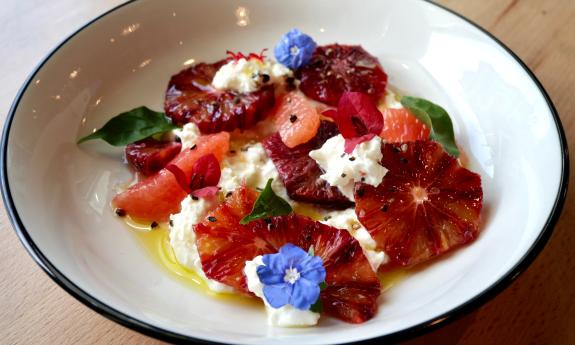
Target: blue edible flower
[[291, 276], [294, 49]]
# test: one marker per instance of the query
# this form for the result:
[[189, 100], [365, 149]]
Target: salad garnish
[[292, 277], [437, 119], [294, 49], [357, 119], [131, 126], [267, 204]]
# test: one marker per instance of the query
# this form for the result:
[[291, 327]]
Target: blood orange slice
[[148, 156], [426, 205], [191, 98], [224, 246], [158, 196], [399, 125], [296, 119], [300, 173], [336, 68]]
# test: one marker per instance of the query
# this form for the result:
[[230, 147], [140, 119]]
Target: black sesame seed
[[228, 194], [342, 155], [360, 192], [293, 118], [195, 198], [326, 218], [265, 78], [244, 149], [352, 158], [171, 222], [178, 139], [268, 220], [212, 219], [193, 147], [120, 212], [343, 175], [403, 160], [154, 225], [384, 208], [363, 179], [396, 149]]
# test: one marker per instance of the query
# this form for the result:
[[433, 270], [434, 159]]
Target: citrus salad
[[297, 180]]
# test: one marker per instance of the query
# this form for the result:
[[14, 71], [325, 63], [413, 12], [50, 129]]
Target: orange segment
[[158, 196], [296, 119], [399, 125]]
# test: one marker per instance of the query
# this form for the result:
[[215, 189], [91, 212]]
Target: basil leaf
[[131, 126], [267, 204], [317, 307], [436, 118]]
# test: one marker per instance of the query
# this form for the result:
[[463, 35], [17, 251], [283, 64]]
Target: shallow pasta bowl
[[58, 194]]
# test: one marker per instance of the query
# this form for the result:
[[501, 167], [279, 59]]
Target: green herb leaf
[[436, 118], [267, 204], [131, 126], [311, 251], [317, 307]]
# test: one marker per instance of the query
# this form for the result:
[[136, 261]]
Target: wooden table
[[538, 308]]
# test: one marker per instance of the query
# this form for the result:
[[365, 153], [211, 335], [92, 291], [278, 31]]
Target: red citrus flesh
[[426, 205], [158, 196], [296, 119], [225, 245], [399, 125], [191, 98], [149, 156], [334, 69]]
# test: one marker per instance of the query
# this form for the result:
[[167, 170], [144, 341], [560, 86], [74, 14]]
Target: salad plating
[[297, 181]]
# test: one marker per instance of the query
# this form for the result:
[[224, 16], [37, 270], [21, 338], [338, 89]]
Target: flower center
[[291, 276], [419, 194], [294, 50]]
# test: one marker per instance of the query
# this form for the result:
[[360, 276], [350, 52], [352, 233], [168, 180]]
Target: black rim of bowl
[[163, 334]]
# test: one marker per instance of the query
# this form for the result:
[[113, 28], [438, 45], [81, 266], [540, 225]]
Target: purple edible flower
[[294, 49], [291, 276]]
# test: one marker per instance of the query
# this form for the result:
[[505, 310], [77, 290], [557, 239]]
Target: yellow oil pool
[[156, 242]]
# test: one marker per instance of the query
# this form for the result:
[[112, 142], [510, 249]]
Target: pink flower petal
[[206, 192], [357, 115], [205, 172], [351, 143]]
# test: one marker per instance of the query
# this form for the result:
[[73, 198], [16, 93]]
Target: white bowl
[[58, 194]]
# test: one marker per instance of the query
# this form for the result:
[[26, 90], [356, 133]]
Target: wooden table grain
[[538, 308]]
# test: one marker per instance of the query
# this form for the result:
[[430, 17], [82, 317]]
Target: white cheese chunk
[[183, 239], [189, 134], [347, 220], [248, 75], [251, 166], [343, 170]]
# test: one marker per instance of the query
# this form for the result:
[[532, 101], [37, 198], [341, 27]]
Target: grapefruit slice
[[426, 205], [399, 125], [191, 98], [336, 68], [158, 196], [296, 119], [224, 246]]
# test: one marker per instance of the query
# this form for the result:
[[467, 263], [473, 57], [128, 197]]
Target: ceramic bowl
[[58, 194]]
